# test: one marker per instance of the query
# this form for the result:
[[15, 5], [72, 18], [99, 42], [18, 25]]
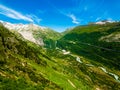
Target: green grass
[[25, 65], [91, 34], [58, 77]]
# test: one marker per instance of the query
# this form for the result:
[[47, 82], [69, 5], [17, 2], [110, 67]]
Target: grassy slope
[[84, 40], [15, 71], [24, 65]]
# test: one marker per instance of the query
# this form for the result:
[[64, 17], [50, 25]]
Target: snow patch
[[100, 23], [104, 22]]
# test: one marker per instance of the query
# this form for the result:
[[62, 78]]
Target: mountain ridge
[[33, 32]]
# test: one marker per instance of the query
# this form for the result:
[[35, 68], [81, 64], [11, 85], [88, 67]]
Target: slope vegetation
[[100, 43], [27, 66], [15, 70]]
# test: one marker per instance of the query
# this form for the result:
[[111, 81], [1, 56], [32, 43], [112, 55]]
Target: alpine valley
[[85, 57]]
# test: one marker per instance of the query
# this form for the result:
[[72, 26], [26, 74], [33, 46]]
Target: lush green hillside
[[49, 37], [15, 70], [27, 66], [90, 41]]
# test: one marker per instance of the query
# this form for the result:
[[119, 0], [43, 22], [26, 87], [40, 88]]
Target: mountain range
[[33, 32], [85, 57]]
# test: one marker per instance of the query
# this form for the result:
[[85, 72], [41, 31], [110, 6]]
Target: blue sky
[[59, 14]]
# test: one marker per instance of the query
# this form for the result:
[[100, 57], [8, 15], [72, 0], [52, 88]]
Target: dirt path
[[71, 83]]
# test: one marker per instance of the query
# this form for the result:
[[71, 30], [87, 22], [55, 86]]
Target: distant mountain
[[104, 22], [33, 32]]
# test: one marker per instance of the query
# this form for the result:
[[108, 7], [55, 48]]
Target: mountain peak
[[32, 32], [104, 22], [21, 26]]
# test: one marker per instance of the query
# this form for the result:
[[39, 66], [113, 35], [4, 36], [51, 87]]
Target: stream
[[112, 74], [116, 77]]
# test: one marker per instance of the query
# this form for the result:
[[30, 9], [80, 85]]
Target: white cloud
[[65, 13], [17, 15], [97, 19], [35, 18], [74, 19]]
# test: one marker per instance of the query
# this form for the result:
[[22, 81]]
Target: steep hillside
[[27, 66], [40, 35], [15, 70], [100, 43]]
